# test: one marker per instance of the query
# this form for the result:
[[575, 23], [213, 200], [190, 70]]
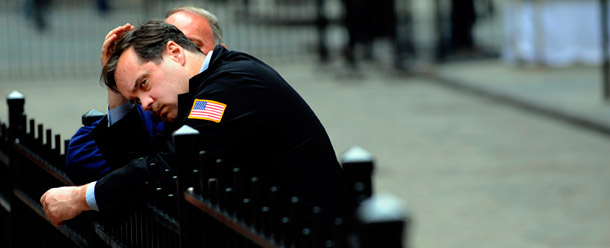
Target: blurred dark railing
[[66, 39], [203, 203], [275, 31], [605, 35], [63, 37]]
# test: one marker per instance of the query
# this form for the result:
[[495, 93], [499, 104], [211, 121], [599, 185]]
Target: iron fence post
[[16, 129], [187, 155], [16, 114], [358, 168], [382, 222]]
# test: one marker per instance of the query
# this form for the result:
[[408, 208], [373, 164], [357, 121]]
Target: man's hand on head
[[115, 99], [111, 37], [64, 203]]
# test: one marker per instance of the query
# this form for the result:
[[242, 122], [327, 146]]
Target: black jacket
[[266, 129]]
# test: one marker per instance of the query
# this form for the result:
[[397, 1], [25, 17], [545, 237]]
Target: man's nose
[[147, 103]]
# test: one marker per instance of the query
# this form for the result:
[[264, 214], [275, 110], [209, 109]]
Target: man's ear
[[175, 52]]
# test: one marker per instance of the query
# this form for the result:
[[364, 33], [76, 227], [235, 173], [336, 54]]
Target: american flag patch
[[207, 110]]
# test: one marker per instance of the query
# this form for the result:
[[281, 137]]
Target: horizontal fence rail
[[203, 204]]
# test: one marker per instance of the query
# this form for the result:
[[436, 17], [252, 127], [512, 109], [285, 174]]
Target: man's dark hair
[[149, 42]]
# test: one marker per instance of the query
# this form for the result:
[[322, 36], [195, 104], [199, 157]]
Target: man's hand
[[64, 203], [112, 36], [115, 99]]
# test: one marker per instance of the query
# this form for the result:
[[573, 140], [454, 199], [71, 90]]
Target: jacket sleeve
[[84, 160], [97, 149], [129, 186], [122, 188], [124, 140]]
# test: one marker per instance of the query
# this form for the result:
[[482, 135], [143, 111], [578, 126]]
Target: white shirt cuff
[[90, 195], [116, 114]]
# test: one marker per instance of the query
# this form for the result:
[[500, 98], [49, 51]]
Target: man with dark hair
[[148, 43], [84, 161], [245, 112]]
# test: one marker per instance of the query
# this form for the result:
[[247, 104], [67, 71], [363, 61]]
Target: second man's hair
[[211, 18]]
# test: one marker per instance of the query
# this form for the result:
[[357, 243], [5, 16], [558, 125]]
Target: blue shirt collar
[[206, 62]]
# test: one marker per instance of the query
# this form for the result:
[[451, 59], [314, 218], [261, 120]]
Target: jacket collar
[[196, 82]]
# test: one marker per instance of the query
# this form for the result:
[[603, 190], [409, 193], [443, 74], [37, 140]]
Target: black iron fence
[[202, 203]]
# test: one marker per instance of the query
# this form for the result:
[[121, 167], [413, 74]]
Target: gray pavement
[[475, 172], [572, 94]]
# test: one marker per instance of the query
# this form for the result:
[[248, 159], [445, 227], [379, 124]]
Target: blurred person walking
[[37, 10], [362, 32]]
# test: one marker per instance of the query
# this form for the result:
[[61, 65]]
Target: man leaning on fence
[[84, 161], [259, 122]]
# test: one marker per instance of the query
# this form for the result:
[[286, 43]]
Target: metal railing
[[202, 204], [68, 43]]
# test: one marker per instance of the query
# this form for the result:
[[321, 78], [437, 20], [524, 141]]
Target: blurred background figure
[[463, 18], [464, 29], [37, 11], [103, 6], [365, 21], [359, 28]]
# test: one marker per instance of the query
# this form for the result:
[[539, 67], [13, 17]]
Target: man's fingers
[[43, 202], [53, 217], [111, 37], [119, 30], [57, 223], [107, 42], [106, 49], [49, 216], [43, 197], [54, 220]]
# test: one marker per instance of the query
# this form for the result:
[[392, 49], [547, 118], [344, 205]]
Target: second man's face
[[154, 85], [195, 28]]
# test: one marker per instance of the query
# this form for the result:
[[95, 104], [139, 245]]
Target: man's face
[[155, 85], [195, 28]]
